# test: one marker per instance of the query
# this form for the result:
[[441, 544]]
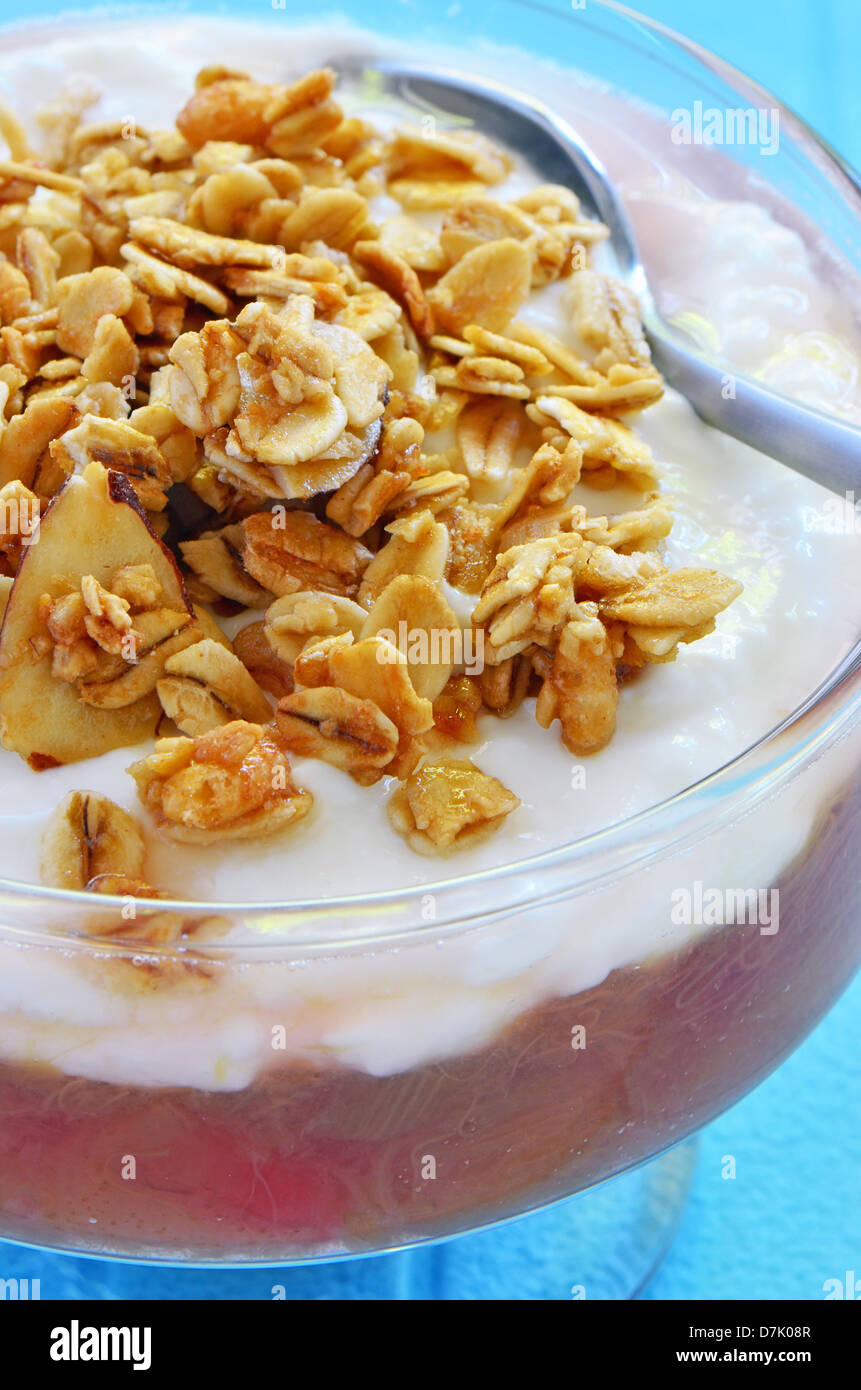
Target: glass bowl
[[297, 1155]]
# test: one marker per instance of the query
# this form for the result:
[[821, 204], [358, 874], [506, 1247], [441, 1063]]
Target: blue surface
[[804, 51], [791, 1218]]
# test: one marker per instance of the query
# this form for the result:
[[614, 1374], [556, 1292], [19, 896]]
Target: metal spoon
[[818, 445]]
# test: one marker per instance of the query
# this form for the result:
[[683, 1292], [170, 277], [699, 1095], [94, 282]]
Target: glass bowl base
[[604, 1244]]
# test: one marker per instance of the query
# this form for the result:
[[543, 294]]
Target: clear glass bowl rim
[[826, 716]]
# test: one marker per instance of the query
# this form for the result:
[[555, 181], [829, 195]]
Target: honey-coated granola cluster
[[234, 381]]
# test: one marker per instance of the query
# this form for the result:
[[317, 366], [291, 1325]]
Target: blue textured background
[[791, 1219]]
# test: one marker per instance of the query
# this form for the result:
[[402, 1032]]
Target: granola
[[238, 383], [252, 645], [349, 732], [448, 805], [87, 837], [231, 783], [205, 686]]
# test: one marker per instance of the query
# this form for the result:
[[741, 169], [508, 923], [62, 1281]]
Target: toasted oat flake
[[297, 619], [342, 729], [487, 286], [449, 804], [88, 836], [676, 598], [205, 686]]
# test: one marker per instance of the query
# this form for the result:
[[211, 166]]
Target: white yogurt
[[736, 511]]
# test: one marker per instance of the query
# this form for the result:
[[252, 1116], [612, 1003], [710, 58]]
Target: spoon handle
[[820, 446]]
